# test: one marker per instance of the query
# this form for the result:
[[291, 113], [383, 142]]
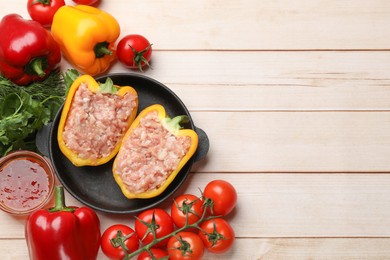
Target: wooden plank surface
[[284, 205], [294, 97], [270, 248], [296, 141], [250, 25], [257, 80]]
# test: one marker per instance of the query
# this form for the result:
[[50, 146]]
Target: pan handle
[[42, 139], [203, 145]]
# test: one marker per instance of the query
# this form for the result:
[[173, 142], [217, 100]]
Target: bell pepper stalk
[[109, 88], [63, 232], [86, 36], [28, 51], [173, 126]]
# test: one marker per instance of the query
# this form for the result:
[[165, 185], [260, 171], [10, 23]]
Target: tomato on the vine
[[134, 51], [43, 11], [117, 240], [85, 2], [224, 197], [186, 207], [153, 220], [185, 245], [217, 235], [158, 253]]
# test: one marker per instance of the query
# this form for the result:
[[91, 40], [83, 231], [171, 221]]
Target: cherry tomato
[[183, 205], [85, 2], [224, 197], [185, 245], [134, 51], [116, 239], [158, 253], [153, 219], [217, 235], [43, 11]]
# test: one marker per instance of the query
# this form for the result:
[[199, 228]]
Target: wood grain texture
[[250, 25], [254, 25], [271, 248], [296, 141], [251, 81], [284, 205], [294, 97]]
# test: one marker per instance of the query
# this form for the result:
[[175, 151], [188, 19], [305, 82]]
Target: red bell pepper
[[63, 232], [28, 51]]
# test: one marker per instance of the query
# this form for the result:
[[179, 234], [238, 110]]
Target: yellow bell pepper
[[94, 87], [86, 36], [173, 126]]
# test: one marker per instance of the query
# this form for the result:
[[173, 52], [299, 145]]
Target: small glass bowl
[[25, 178]]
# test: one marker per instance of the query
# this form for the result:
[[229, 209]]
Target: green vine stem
[[206, 204]]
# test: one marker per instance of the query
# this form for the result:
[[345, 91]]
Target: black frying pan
[[95, 186]]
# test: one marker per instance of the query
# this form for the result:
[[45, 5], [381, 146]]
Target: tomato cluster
[[195, 224]]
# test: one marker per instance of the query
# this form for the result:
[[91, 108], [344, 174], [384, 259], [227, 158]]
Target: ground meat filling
[[150, 155], [96, 122]]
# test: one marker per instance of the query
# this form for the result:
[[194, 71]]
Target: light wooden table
[[295, 98]]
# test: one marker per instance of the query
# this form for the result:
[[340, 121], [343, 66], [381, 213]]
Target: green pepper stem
[[59, 205], [101, 49], [174, 123], [36, 66]]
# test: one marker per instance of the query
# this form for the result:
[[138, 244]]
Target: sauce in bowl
[[26, 182]]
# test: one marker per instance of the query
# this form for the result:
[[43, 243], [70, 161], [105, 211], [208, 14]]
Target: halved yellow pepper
[[173, 126], [94, 86]]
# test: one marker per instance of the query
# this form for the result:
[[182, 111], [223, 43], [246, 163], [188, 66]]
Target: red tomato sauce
[[24, 184]]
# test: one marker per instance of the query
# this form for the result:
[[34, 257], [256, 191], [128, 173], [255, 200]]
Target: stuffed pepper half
[[153, 152], [94, 119]]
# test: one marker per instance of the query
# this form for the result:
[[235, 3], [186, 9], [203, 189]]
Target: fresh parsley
[[25, 109]]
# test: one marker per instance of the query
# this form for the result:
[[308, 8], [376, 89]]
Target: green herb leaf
[[69, 77], [25, 109]]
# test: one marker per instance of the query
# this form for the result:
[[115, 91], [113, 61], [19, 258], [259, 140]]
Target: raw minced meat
[[96, 122], [149, 155]]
